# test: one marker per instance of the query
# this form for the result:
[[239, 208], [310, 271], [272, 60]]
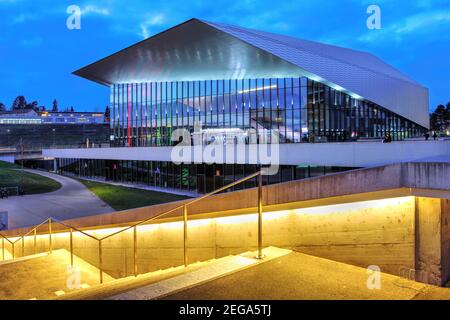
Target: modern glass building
[[241, 87], [298, 109]]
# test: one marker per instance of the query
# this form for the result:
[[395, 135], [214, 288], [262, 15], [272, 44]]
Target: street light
[[21, 145]]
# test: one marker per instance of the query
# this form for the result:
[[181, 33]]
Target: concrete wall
[[428, 240], [445, 240], [351, 154]]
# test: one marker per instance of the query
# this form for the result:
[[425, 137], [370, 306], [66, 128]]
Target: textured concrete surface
[[72, 200], [42, 276], [302, 277]]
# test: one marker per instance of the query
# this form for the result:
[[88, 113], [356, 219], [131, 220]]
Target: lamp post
[[21, 162]]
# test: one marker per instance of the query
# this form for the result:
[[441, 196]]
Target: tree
[[2, 107], [72, 109], [19, 103], [447, 118], [440, 118], [107, 113], [55, 106], [32, 106]]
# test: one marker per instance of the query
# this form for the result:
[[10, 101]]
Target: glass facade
[[197, 178], [298, 109]]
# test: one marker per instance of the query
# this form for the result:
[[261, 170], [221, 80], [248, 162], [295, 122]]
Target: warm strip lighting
[[237, 219], [354, 206], [240, 219], [159, 226]]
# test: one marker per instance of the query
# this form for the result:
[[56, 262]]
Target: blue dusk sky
[[38, 52]]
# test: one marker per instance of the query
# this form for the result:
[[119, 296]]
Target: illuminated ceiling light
[[258, 89], [355, 96]]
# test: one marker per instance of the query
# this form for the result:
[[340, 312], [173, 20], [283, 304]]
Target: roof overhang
[[198, 50], [190, 51]]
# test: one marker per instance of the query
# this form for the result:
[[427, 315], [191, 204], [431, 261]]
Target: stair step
[[43, 276], [210, 271], [25, 258]]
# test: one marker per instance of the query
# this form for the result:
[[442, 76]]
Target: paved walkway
[[145, 187], [72, 200]]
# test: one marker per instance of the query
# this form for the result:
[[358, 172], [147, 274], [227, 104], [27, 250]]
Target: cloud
[[153, 21], [31, 42], [92, 9], [423, 23], [24, 17]]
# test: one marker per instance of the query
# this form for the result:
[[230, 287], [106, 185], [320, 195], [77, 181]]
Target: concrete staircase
[[44, 276], [50, 276], [158, 284]]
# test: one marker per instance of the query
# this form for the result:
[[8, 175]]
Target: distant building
[[72, 117], [37, 129], [20, 117], [45, 117]]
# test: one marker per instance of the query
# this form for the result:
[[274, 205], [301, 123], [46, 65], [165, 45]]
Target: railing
[[184, 206], [50, 222]]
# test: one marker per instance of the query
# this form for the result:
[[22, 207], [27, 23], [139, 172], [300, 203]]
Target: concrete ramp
[[45, 276], [299, 276]]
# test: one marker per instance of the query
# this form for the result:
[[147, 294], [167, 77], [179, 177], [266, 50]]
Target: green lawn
[[31, 183], [122, 198], [7, 165]]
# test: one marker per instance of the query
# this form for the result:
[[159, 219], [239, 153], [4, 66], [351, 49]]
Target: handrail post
[[35, 242], [135, 251], [260, 210], [12, 244], [71, 247], [3, 249], [23, 246], [50, 235], [185, 220], [100, 260]]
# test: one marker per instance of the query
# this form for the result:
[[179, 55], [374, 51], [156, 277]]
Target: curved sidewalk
[[72, 200]]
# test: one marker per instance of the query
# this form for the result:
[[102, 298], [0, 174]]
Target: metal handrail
[[134, 226], [185, 205]]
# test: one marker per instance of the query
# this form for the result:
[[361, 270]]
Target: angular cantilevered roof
[[201, 50]]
